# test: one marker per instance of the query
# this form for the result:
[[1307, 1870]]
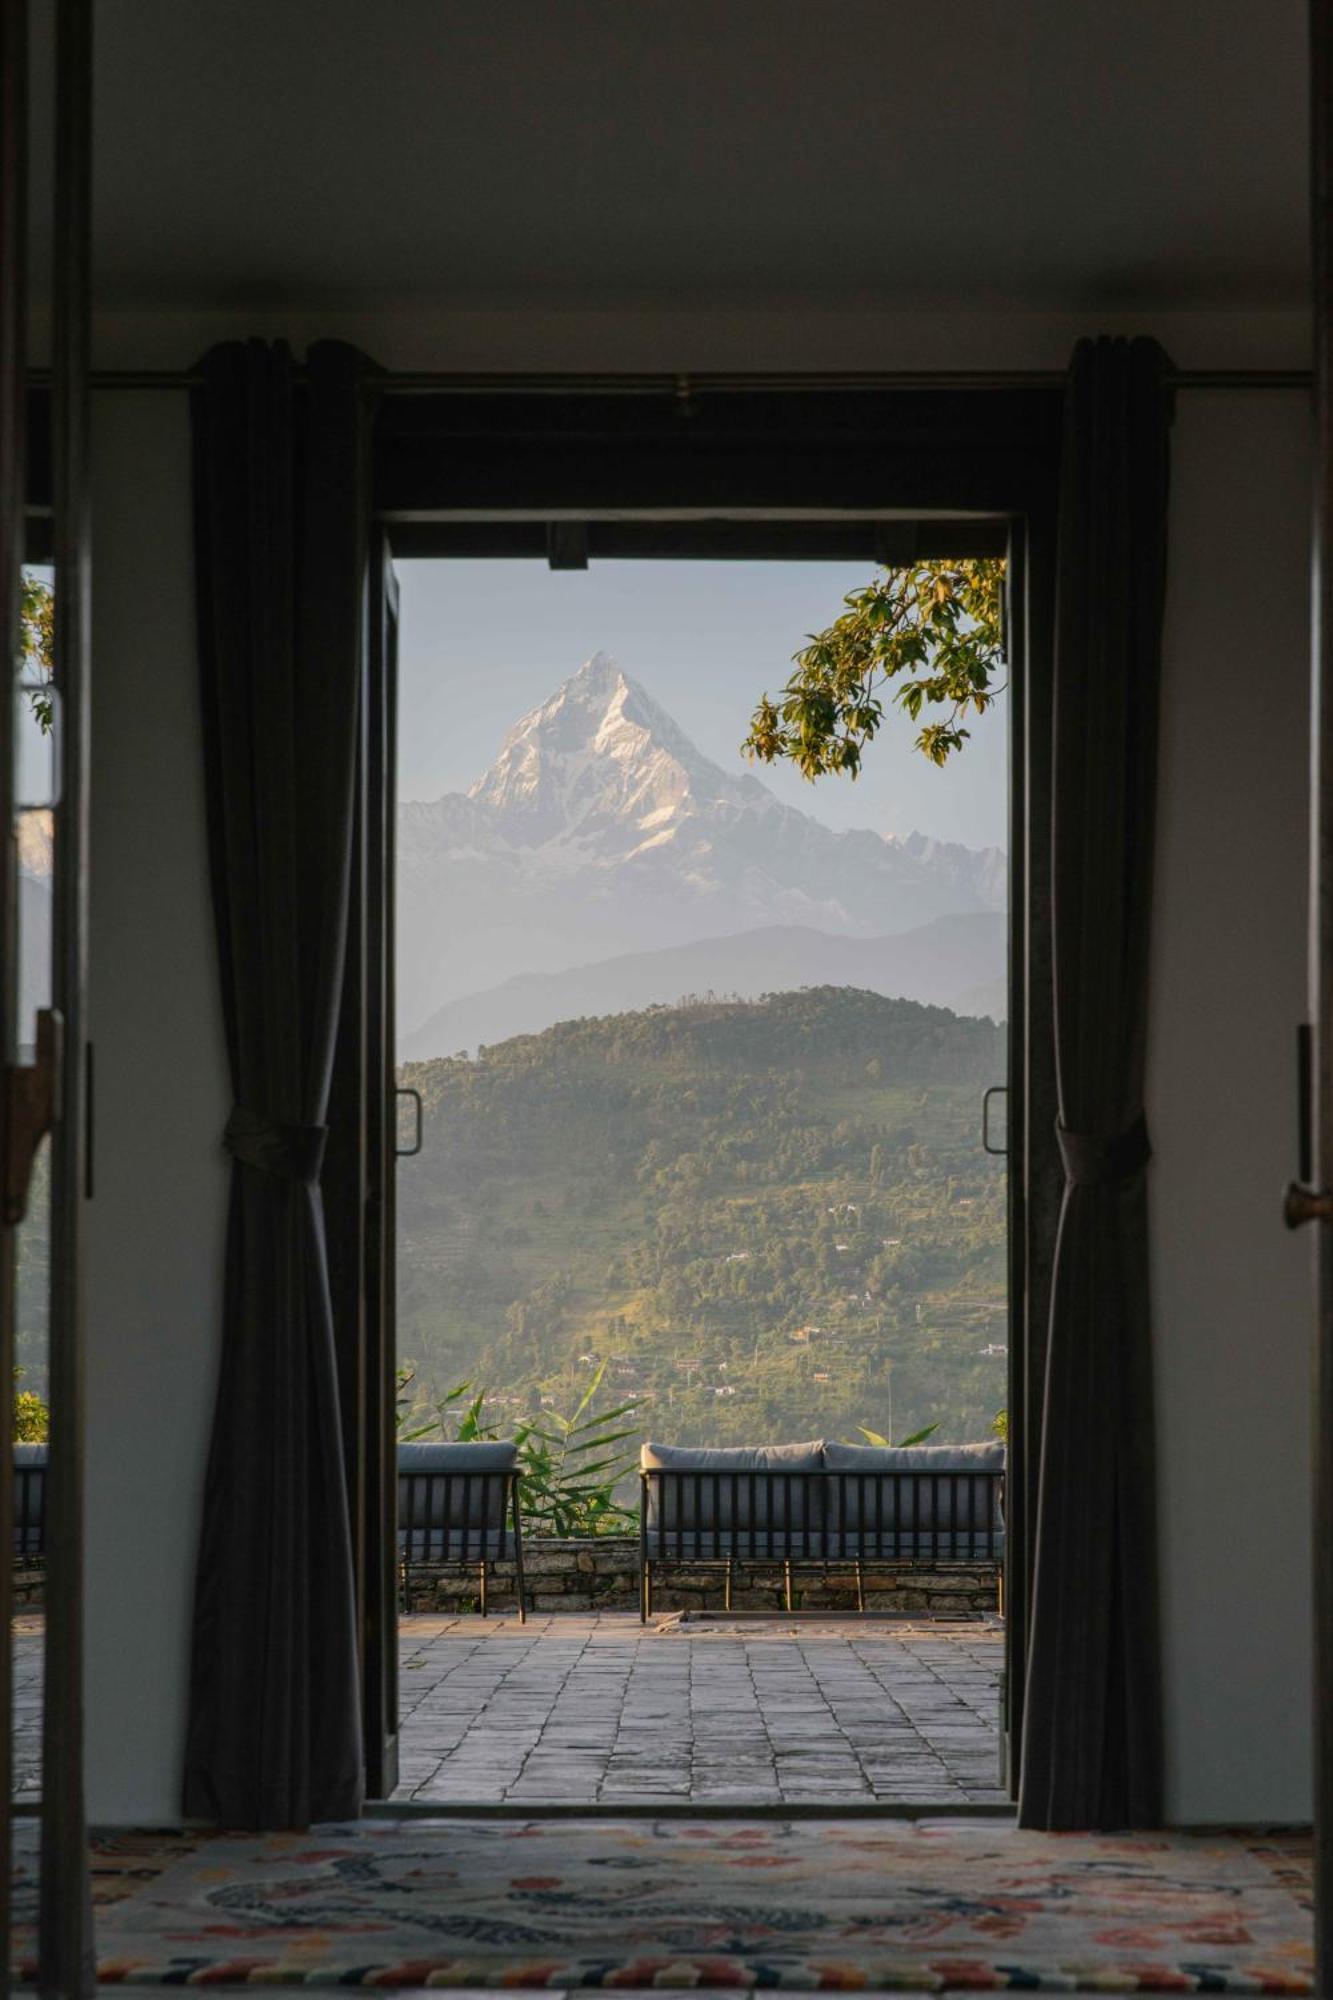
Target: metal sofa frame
[[848, 1519], [29, 1542], [424, 1541]]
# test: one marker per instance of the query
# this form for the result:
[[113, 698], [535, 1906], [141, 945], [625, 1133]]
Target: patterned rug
[[892, 1906]]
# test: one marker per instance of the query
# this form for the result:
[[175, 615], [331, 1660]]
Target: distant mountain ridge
[[956, 962], [601, 831]]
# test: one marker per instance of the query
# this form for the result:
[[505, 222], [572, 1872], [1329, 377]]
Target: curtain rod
[[685, 387]]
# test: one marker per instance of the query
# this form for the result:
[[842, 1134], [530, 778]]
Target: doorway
[[699, 1058]]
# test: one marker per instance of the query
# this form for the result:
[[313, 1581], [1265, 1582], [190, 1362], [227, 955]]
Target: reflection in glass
[[37, 700], [30, 1448], [35, 767]]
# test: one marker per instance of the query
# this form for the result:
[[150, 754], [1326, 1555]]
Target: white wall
[[156, 1223], [1231, 1287], [1232, 1305]]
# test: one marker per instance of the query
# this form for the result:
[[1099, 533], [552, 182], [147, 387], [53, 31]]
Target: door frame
[[379, 1538], [896, 474], [358, 1183]]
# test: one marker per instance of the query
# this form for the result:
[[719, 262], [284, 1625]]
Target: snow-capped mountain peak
[[600, 829], [599, 750]]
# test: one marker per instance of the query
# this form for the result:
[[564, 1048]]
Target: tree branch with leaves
[[930, 637], [37, 635]]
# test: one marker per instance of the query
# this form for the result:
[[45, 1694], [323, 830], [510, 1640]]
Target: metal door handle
[[1303, 1204], [410, 1152], [996, 1090]]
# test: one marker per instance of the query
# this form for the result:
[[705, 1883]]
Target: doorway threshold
[[686, 1809]]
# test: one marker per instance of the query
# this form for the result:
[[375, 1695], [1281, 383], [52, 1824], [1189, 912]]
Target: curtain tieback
[[1094, 1161], [289, 1152]]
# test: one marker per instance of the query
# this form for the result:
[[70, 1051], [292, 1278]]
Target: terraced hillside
[[775, 1217]]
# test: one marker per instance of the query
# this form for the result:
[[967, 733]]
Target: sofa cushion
[[930, 1493], [987, 1456], [427, 1544], [741, 1544], [930, 1546], [732, 1457], [30, 1462], [745, 1489], [492, 1456], [453, 1486]]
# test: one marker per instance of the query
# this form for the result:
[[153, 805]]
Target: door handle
[[410, 1152], [996, 1090], [1303, 1202]]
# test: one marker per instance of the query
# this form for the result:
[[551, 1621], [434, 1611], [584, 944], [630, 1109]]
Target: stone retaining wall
[[28, 1587], [602, 1574]]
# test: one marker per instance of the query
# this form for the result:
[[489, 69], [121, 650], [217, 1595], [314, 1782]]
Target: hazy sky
[[482, 642]]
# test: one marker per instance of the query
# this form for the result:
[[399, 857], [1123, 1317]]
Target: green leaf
[[943, 619]]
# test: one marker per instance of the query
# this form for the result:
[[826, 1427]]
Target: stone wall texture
[[602, 1574], [28, 1588]]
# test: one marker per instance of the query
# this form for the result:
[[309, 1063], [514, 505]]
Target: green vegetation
[[570, 1466], [939, 624], [37, 634], [32, 1419], [766, 1219]]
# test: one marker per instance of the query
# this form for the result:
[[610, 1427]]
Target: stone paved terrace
[[592, 1708], [595, 1708], [27, 1705]]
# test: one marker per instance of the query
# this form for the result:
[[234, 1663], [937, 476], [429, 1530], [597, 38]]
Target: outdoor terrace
[[575, 1709]]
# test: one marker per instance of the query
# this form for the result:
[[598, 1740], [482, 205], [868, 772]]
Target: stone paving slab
[[595, 1709], [583, 1709], [27, 1643]]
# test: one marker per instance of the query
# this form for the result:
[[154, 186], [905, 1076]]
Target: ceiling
[[1068, 152]]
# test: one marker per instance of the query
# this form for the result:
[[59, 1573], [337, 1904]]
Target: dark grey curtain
[[281, 511], [1092, 1753]]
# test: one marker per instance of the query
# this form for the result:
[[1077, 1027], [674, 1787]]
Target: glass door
[[44, 1175]]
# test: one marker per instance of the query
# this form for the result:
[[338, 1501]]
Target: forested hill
[[762, 1210]]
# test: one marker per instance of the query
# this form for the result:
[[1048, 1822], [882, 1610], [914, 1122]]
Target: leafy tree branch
[[929, 637], [37, 635]]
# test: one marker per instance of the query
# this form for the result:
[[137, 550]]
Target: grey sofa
[[30, 1502], [916, 1506], [458, 1503]]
